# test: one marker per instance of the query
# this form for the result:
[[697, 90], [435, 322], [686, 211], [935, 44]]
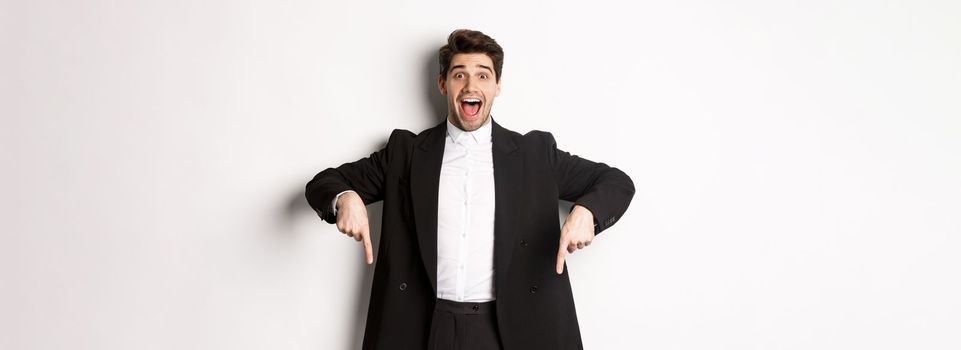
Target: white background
[[796, 163]]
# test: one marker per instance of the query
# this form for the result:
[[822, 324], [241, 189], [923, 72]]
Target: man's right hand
[[352, 221]]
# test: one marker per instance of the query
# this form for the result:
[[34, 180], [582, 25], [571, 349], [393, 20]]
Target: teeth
[[471, 100]]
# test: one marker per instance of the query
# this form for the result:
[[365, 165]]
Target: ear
[[442, 85], [498, 91]]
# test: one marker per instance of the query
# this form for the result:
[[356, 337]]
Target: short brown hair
[[470, 41]]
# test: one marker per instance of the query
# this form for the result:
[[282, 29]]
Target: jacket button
[[403, 286], [533, 289], [475, 308], [523, 243]]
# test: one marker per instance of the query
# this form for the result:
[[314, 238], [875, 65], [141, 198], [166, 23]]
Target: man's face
[[470, 87]]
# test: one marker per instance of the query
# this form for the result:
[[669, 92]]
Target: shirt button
[[403, 286], [533, 289], [523, 243], [475, 308]]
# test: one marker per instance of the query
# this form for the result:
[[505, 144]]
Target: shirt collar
[[480, 136]]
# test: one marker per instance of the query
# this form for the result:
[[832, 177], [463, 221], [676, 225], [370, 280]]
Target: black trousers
[[464, 326]]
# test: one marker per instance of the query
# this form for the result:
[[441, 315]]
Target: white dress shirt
[[465, 216]]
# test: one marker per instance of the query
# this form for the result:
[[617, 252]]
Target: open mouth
[[470, 106]]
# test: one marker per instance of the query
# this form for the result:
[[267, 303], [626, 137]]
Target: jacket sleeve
[[365, 176], [605, 191]]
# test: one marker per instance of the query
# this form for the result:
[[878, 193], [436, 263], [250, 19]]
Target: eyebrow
[[479, 65]]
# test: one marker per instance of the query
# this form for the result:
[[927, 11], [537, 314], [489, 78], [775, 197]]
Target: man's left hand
[[577, 233]]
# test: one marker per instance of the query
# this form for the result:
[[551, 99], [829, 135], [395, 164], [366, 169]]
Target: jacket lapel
[[508, 174], [425, 179]]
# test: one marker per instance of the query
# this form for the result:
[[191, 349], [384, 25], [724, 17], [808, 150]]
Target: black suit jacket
[[535, 306]]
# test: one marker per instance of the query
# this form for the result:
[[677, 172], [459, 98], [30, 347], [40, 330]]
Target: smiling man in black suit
[[471, 253]]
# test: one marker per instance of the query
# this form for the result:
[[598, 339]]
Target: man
[[471, 253]]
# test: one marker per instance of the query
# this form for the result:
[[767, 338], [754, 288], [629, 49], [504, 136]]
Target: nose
[[469, 85]]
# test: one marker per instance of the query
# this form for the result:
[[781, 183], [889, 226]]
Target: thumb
[[561, 253], [368, 251]]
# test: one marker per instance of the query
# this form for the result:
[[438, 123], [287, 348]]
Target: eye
[[483, 76], [459, 75]]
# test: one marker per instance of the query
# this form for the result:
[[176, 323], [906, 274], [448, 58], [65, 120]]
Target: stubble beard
[[460, 123]]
